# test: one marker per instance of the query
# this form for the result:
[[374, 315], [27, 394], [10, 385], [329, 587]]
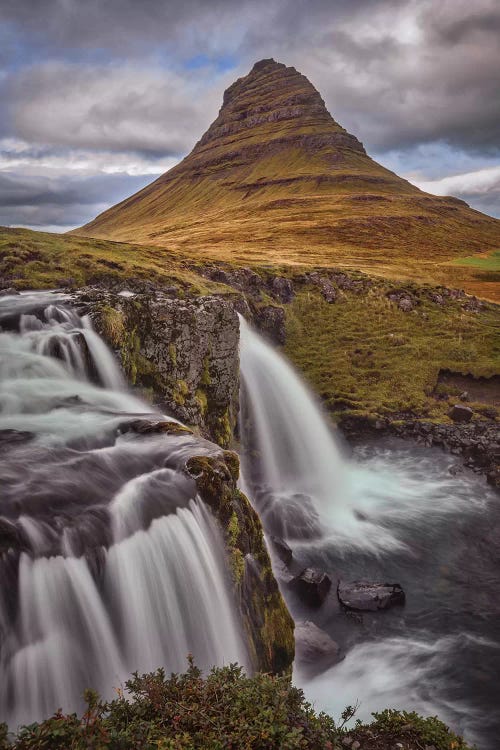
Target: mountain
[[276, 179]]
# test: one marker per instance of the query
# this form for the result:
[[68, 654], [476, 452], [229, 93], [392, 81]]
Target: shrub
[[225, 710]]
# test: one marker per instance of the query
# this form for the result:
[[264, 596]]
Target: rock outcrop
[[184, 350], [267, 622]]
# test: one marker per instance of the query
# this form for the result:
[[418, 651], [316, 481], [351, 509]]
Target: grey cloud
[[66, 201], [112, 107], [396, 73], [391, 89]]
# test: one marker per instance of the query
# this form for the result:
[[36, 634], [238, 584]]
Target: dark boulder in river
[[368, 596], [315, 651], [312, 586]]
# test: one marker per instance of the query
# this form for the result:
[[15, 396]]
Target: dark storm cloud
[[398, 73]]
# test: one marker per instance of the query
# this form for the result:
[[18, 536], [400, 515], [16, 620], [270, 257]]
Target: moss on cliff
[[266, 620]]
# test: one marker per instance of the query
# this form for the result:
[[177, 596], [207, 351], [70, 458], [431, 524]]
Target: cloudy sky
[[100, 96]]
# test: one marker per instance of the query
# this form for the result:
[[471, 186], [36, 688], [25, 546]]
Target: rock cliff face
[[268, 625], [184, 350], [276, 178]]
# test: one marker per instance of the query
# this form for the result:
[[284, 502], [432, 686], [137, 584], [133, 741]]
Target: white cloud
[[24, 158], [470, 183]]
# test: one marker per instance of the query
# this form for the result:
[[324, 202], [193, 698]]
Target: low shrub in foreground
[[225, 710]]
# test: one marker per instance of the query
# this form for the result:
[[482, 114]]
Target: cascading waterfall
[[392, 511], [304, 485], [300, 467], [114, 564]]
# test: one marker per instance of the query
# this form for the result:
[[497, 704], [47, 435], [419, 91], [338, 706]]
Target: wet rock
[[464, 396], [312, 586], [282, 289], [283, 551], [270, 320], [315, 651], [146, 427], [14, 437], [9, 536], [461, 413], [9, 292], [183, 350], [368, 596]]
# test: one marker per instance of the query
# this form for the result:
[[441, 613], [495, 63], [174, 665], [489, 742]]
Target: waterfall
[[113, 563], [299, 474], [303, 485]]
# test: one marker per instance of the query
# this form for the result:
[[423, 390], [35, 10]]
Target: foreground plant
[[226, 710]]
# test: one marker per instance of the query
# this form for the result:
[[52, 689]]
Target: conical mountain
[[276, 179]]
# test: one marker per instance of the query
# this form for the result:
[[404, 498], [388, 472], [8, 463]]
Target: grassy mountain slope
[[276, 179]]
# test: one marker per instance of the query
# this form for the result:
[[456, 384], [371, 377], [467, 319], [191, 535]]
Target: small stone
[[460, 413], [355, 745], [283, 289], [464, 396], [347, 741], [405, 304]]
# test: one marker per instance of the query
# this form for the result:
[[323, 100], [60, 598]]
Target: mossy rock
[[266, 621]]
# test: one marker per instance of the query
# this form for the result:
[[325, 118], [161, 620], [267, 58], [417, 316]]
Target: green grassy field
[[366, 356], [486, 262]]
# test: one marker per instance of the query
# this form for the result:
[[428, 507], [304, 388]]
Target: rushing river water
[[117, 562], [392, 512]]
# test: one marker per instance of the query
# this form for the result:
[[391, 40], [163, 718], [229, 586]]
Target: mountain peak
[[274, 101], [275, 177]]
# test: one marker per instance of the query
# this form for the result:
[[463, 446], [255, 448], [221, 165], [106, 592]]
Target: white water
[[302, 482], [394, 511], [121, 567]]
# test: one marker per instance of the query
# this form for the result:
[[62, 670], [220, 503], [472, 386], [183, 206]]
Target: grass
[[39, 260], [486, 262], [364, 355]]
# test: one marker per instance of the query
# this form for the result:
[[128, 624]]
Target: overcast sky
[[100, 96]]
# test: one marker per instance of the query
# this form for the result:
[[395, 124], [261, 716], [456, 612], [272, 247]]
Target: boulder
[[368, 596], [281, 548], [9, 292], [315, 651], [460, 413], [282, 289], [312, 586], [270, 320]]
